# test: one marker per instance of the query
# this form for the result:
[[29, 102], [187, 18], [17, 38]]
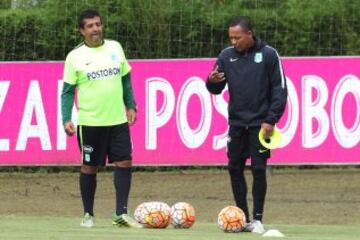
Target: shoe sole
[[87, 226]]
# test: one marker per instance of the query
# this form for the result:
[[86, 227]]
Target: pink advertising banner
[[179, 122]]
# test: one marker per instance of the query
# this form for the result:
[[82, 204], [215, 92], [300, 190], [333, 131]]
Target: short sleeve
[[125, 66]]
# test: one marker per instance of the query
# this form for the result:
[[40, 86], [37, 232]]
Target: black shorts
[[244, 143], [97, 143]]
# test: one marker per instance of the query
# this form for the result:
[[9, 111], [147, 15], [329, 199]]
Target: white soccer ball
[[182, 215], [140, 213], [231, 219], [153, 214]]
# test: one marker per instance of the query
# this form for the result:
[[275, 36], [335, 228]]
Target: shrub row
[[181, 29]]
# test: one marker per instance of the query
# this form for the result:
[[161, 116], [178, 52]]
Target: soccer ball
[[140, 213], [182, 215], [231, 219], [153, 214]]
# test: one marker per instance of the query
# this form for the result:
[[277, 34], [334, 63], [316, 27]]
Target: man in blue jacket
[[257, 89]]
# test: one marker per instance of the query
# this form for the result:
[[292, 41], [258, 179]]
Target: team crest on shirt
[[258, 57], [114, 57], [88, 149]]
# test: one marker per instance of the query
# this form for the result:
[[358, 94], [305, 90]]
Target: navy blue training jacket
[[256, 84]]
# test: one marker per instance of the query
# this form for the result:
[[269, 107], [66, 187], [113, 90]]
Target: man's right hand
[[216, 76], [69, 128]]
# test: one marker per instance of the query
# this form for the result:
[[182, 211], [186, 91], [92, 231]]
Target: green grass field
[[303, 204], [16, 227]]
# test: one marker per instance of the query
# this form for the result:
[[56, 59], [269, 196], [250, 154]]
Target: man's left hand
[[131, 116], [268, 130]]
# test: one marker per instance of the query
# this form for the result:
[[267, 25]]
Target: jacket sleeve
[[128, 92], [216, 88], [67, 101], [278, 91]]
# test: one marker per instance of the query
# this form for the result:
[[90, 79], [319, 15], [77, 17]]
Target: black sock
[[122, 182], [87, 190], [259, 192]]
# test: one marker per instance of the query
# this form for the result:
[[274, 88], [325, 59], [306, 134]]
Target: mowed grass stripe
[[54, 228]]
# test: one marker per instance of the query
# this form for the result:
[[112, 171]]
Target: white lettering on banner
[[61, 136], [314, 110], [193, 138], [33, 104], [4, 87], [156, 119], [221, 105], [347, 138], [289, 129], [323, 111]]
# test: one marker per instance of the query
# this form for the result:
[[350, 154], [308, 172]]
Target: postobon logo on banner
[[179, 122]]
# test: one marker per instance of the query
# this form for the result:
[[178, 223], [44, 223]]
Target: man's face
[[241, 39], [92, 31]]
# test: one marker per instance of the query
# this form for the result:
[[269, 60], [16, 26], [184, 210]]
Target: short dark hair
[[243, 21], [88, 13]]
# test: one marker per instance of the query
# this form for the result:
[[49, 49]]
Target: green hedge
[[181, 29]]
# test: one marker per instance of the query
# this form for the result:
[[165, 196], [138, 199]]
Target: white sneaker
[[87, 221], [258, 227], [248, 227]]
